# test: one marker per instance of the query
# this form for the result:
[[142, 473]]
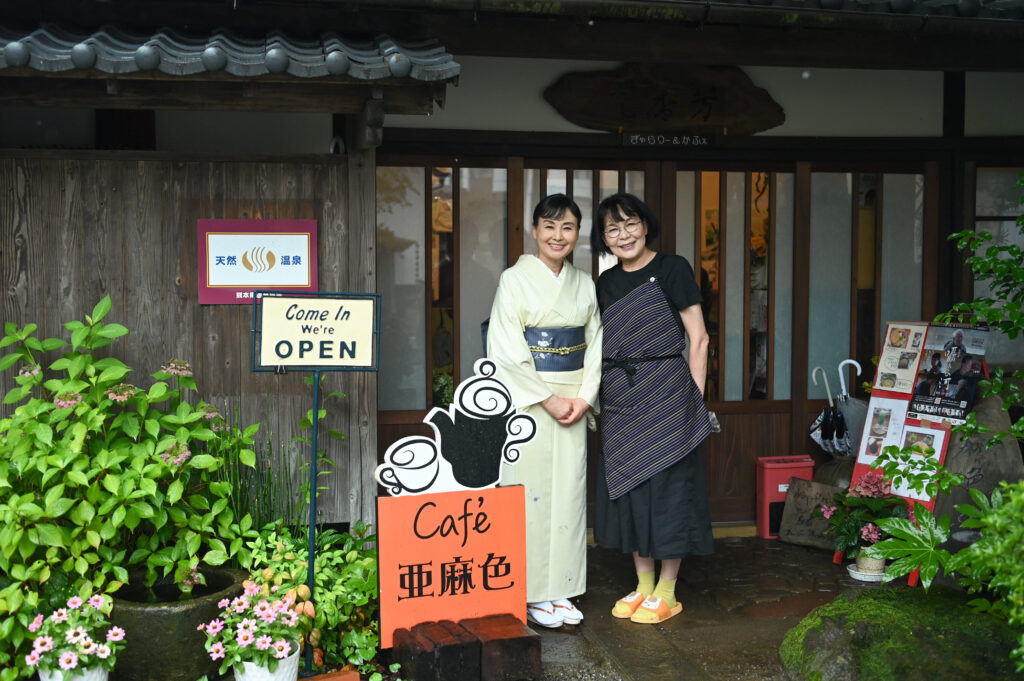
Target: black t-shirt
[[673, 272]]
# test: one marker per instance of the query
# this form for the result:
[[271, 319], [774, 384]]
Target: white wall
[[507, 94]]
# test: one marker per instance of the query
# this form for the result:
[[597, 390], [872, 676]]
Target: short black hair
[[554, 205], [617, 206]]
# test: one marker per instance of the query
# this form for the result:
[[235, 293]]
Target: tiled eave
[[119, 68]]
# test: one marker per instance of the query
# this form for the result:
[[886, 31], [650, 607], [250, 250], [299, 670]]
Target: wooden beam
[[304, 96]]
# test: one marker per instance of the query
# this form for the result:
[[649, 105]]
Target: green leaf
[[203, 462], [247, 457], [101, 309], [174, 492], [50, 535], [215, 557], [113, 331]]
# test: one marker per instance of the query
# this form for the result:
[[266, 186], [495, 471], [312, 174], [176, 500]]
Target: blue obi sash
[[556, 349]]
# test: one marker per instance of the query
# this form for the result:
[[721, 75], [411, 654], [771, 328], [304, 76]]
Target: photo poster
[[882, 427], [922, 436], [947, 380], [902, 348]]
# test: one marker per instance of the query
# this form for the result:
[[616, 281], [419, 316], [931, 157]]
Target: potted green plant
[[853, 518], [99, 475]]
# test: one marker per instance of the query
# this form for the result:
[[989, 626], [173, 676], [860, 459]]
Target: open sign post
[[315, 332]]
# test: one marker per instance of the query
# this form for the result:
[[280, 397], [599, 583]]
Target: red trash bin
[[773, 474]]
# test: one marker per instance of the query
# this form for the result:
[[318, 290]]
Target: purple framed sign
[[236, 257]]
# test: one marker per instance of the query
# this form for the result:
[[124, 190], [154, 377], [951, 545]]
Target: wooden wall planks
[[73, 229]]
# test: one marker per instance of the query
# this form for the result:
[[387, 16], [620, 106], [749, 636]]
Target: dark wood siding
[[72, 230]]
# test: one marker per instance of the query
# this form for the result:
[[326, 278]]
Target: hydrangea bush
[[98, 474]]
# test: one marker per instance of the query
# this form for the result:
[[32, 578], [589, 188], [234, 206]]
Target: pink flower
[[32, 659], [178, 367], [115, 634], [68, 660], [67, 399], [103, 651], [76, 635], [269, 617], [252, 589], [214, 627], [827, 511], [262, 608], [871, 484], [248, 624], [223, 603], [74, 602], [240, 604], [871, 533], [282, 647], [244, 638], [87, 646], [43, 644], [121, 392], [36, 623], [59, 615], [263, 642], [291, 619], [217, 650], [96, 601]]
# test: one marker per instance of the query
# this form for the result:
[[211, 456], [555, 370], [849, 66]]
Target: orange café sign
[[237, 257], [451, 555]]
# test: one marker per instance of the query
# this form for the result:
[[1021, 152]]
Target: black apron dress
[[651, 492]]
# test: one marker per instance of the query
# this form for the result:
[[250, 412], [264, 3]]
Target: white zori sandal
[[543, 614], [569, 612]]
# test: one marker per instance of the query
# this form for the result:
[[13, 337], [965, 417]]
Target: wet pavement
[[737, 606]]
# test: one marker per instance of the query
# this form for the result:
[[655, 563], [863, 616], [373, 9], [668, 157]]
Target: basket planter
[[163, 643]]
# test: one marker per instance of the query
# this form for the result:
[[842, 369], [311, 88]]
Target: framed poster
[[921, 436], [901, 352]]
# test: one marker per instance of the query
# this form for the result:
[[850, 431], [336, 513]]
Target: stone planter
[[162, 642]]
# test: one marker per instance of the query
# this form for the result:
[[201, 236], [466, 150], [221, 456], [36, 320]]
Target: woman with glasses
[[651, 496], [545, 337]]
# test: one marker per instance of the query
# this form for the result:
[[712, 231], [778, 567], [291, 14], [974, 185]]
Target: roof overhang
[[116, 68]]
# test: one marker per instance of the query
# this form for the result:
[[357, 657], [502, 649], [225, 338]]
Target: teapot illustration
[[479, 430]]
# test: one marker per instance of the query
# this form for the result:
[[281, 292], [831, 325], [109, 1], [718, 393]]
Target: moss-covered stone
[[899, 635]]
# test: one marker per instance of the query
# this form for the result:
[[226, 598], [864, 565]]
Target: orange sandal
[[627, 605], [655, 610]]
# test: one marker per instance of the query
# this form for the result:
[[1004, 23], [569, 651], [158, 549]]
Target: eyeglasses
[[631, 227]]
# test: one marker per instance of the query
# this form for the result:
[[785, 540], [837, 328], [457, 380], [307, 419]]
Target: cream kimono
[[553, 466]]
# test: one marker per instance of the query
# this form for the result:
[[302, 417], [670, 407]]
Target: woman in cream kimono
[[545, 337]]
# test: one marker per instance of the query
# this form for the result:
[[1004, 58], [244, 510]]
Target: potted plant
[[75, 642], [259, 634], [854, 516], [99, 475]]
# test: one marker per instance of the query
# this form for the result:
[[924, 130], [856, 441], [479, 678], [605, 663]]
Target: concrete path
[[737, 606]]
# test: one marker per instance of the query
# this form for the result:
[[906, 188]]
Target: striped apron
[[652, 414]]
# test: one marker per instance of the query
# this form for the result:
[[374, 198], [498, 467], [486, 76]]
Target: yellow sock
[[666, 590], [645, 582]]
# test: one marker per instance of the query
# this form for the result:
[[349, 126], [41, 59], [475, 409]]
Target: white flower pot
[[287, 670], [871, 566], [94, 674]]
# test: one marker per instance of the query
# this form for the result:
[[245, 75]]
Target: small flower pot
[[94, 674], [287, 670], [870, 566]]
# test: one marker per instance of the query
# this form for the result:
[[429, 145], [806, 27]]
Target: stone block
[[798, 525]]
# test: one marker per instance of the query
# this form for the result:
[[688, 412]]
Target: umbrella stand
[[854, 410]]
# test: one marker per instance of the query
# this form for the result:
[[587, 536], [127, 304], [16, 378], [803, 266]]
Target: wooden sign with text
[[452, 556]]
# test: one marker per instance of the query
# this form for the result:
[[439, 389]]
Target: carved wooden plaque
[[708, 100]]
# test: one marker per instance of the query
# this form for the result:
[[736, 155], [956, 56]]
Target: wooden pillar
[[801, 304]]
